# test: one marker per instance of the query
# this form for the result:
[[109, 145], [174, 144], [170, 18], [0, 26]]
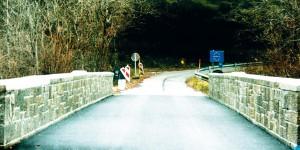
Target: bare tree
[[50, 36], [277, 25]]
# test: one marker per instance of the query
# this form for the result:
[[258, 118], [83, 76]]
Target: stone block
[[259, 109], [237, 105], [30, 124], [259, 100], [2, 89], [257, 117], [36, 122], [283, 132], [52, 114], [2, 99], [266, 105], [257, 89], [46, 96], [45, 117], [41, 109], [39, 99], [291, 101], [57, 100], [22, 115], [275, 106], [252, 112], [27, 101], [267, 94], [2, 113], [292, 132], [19, 96], [1, 134], [32, 110], [76, 84], [17, 131], [58, 113], [37, 91], [291, 117], [17, 115], [67, 109], [9, 108], [60, 89], [265, 121], [243, 109], [275, 126], [271, 125]]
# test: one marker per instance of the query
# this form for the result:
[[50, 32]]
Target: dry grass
[[278, 70], [197, 84]]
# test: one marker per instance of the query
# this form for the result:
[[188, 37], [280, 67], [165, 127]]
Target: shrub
[[197, 84]]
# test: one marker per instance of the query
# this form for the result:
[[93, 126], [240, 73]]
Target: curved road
[[161, 114]]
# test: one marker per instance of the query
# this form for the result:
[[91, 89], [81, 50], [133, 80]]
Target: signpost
[[217, 56], [126, 72], [135, 57], [199, 64]]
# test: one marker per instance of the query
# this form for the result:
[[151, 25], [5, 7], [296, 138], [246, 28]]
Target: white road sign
[[135, 57]]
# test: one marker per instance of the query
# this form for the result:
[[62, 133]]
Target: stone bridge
[[162, 113]]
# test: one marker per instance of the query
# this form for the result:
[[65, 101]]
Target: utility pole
[[199, 64]]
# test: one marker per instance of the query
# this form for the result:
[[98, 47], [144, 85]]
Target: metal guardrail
[[201, 75]]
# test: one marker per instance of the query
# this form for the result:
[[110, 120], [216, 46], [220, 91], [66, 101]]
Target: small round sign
[[135, 57]]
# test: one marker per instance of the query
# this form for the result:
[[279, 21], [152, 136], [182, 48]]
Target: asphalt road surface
[[160, 114]]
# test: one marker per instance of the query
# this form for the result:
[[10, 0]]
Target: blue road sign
[[216, 56]]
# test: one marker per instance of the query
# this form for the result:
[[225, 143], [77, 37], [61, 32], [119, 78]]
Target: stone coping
[[42, 80], [289, 84]]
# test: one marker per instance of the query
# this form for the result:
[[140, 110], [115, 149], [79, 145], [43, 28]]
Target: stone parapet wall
[[269, 102], [44, 100]]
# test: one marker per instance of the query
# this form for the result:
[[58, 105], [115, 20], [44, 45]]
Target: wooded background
[[55, 36], [275, 24]]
